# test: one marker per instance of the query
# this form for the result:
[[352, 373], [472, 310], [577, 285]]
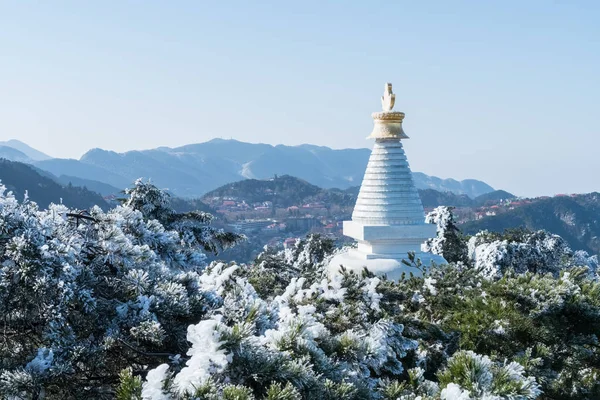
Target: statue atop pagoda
[[388, 219], [388, 99]]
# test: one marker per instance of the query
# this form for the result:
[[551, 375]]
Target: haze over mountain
[[27, 150], [42, 188], [13, 154], [195, 169], [575, 218]]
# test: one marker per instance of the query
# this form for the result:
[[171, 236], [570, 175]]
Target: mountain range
[[575, 217], [193, 170]]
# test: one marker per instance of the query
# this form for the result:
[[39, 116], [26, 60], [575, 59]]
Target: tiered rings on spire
[[388, 195]]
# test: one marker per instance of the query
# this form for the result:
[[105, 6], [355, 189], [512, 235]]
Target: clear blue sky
[[503, 91]]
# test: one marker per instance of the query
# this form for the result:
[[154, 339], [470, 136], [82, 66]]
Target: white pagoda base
[[392, 268], [381, 249], [388, 241]]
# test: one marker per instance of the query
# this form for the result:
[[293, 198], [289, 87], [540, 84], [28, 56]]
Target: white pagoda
[[388, 220]]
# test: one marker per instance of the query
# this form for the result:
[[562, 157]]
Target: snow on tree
[[194, 226], [473, 376], [122, 304], [521, 250], [494, 253], [448, 242], [97, 296]]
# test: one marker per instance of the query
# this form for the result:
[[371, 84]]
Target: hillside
[[493, 197], [19, 177], [433, 198], [242, 318], [78, 169], [287, 190], [576, 219], [470, 187], [283, 191], [13, 154], [95, 186], [186, 205]]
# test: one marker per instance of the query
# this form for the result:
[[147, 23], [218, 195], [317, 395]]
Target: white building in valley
[[388, 220]]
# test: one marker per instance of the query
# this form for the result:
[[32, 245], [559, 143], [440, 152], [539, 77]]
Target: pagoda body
[[388, 220]]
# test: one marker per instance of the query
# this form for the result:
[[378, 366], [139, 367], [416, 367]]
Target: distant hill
[[95, 186], [186, 205], [19, 177], [29, 152], [471, 187], [492, 197], [193, 170], [433, 198], [576, 219], [75, 168], [13, 154], [287, 190], [283, 191]]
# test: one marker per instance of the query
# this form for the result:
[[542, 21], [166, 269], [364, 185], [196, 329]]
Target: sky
[[507, 92]]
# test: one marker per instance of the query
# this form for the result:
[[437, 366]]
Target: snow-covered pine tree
[[82, 299], [124, 306], [154, 204], [521, 250], [449, 241]]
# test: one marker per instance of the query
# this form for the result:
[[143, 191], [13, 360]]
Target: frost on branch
[[83, 301], [154, 204], [207, 358], [449, 242], [541, 252], [473, 376]]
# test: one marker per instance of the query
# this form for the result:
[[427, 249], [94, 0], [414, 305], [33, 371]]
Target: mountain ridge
[[10, 153], [24, 148], [575, 218], [192, 170], [21, 178]]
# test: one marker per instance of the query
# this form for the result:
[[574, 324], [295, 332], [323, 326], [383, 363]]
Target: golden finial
[[388, 99], [388, 123]]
